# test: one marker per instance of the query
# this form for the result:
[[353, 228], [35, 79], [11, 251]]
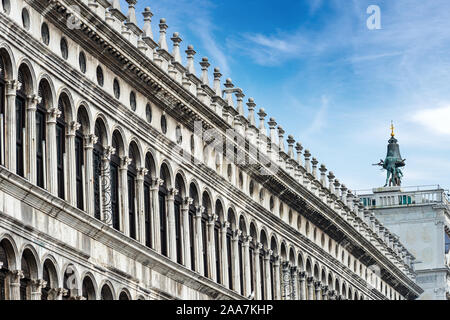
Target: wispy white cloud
[[436, 120]]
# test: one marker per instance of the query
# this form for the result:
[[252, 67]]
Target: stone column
[[36, 288], [212, 247], [224, 252], [246, 262], [123, 193], [186, 239], [32, 102], [302, 284], [286, 280], [235, 260], [198, 239], [331, 295], [171, 224], [258, 293], [156, 234], [268, 286], [106, 186], [57, 293], [294, 283], [324, 292], [14, 284], [140, 210], [10, 125], [276, 278], [89, 141], [71, 165], [310, 284], [318, 287], [51, 163]]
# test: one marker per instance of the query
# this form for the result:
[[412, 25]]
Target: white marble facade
[[113, 184]]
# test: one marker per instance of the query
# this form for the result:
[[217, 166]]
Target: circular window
[[251, 188], [163, 124], [64, 48], [82, 61], [133, 101], [116, 88], [192, 144], [148, 113], [179, 135], [25, 19], [6, 6], [45, 34], [100, 79]]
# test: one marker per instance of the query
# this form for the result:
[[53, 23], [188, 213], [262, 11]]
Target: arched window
[[60, 146], [217, 243], [4, 269], [20, 124], [114, 169], [163, 124], [179, 185], [193, 194], [2, 108], [131, 180], [41, 118], [50, 277], [88, 289], [179, 135], [79, 165], [124, 296], [147, 201], [204, 226], [163, 193], [230, 262], [106, 293], [97, 162]]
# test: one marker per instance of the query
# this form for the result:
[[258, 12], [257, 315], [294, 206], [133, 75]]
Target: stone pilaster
[[36, 288], [156, 234], [268, 282], [235, 260], [212, 246], [10, 125], [14, 284], [302, 284], [224, 252], [310, 285], [199, 239], [71, 165], [324, 292], [89, 141], [285, 281], [32, 102], [258, 293], [186, 239], [106, 186], [123, 193], [51, 163], [277, 279], [171, 224], [294, 283], [140, 210], [246, 263], [318, 288]]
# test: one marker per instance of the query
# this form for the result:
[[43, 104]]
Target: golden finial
[[392, 129]]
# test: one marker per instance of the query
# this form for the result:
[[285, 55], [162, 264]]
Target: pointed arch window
[[131, 180], [60, 147], [41, 118], [114, 169], [20, 125]]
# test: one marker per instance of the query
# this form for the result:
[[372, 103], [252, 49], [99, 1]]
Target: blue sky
[[331, 82]]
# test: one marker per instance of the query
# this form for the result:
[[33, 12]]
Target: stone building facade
[[420, 218], [115, 182]]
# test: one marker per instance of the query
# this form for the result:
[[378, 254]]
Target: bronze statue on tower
[[393, 162]]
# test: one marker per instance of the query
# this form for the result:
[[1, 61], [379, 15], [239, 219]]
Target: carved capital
[[108, 152], [187, 201], [310, 280], [90, 140], [16, 275], [53, 114], [125, 161], [302, 275], [73, 127], [317, 285]]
